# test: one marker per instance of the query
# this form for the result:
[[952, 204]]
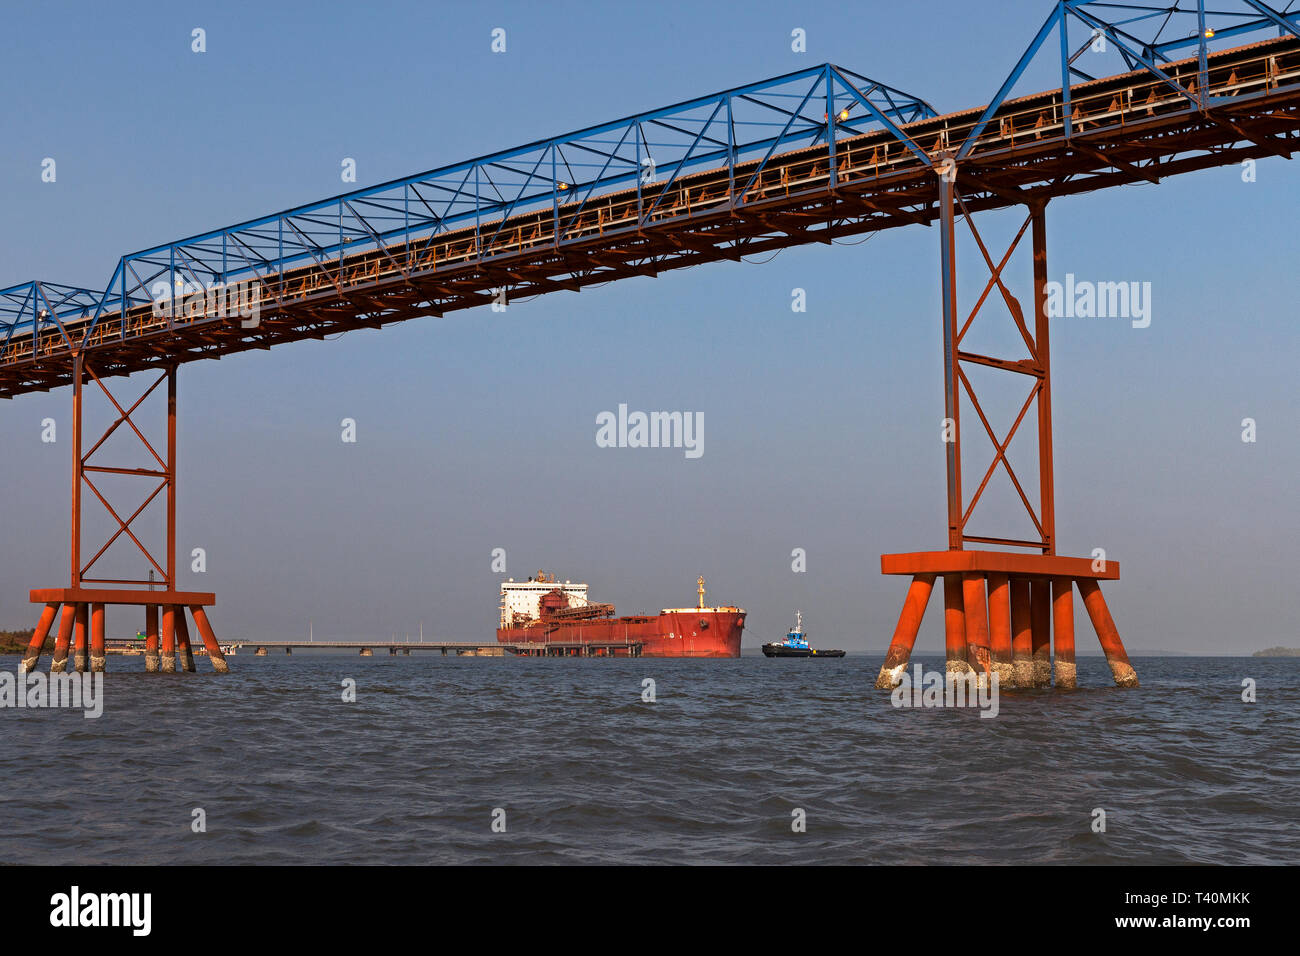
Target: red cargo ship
[[560, 620]]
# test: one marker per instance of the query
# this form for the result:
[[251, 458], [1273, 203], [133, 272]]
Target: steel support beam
[[85, 598]]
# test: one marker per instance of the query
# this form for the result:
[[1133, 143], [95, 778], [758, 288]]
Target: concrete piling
[[1022, 646], [79, 652], [97, 653], [999, 597], [37, 642], [151, 638], [977, 624], [60, 662], [1120, 668], [909, 622], [954, 625], [184, 653], [167, 663], [210, 644], [1063, 633], [1040, 627]]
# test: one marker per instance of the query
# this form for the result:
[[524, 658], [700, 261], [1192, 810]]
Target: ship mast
[[701, 585]]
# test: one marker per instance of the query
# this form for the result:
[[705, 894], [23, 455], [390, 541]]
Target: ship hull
[[690, 633]]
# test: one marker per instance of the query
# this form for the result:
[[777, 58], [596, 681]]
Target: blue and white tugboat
[[796, 644]]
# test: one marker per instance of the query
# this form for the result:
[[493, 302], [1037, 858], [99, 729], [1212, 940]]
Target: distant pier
[[444, 648]]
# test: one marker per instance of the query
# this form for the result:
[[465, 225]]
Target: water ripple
[[286, 772]]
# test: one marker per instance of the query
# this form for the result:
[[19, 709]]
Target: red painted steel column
[[185, 656], [909, 622], [151, 638], [171, 478], [1063, 632], [1040, 620], [977, 622], [1042, 346], [1000, 627], [97, 657], [60, 663], [954, 625], [76, 473], [209, 640], [167, 664], [1120, 668], [1022, 645], [37, 642], [951, 368], [79, 655]]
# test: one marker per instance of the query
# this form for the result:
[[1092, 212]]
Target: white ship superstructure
[[521, 600]]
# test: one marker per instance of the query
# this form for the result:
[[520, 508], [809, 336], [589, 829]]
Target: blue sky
[[476, 430]]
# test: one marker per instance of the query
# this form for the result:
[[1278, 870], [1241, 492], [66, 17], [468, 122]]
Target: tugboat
[[796, 644]]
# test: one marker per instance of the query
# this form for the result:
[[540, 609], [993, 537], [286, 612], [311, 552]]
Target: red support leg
[[38, 639], [1063, 632], [151, 638], [184, 655], [1022, 645], [909, 622], [168, 663], [60, 663], [1120, 668], [1000, 628], [79, 654], [954, 625], [1040, 619], [97, 654], [977, 623], [210, 640]]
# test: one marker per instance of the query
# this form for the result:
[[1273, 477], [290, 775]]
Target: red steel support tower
[[1002, 608], [84, 600]]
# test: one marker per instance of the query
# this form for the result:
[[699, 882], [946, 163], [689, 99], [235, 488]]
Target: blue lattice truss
[[822, 105], [810, 107]]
